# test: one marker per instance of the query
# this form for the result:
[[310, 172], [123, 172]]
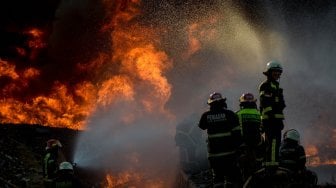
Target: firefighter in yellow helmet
[[272, 104], [224, 138], [252, 149]]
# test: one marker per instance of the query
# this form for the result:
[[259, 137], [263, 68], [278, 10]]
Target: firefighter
[[224, 138], [52, 158], [192, 149], [252, 148], [271, 106], [293, 157], [65, 177]]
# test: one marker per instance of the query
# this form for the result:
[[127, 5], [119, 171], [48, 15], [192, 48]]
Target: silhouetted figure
[[52, 158], [271, 106], [65, 177], [252, 149], [224, 138]]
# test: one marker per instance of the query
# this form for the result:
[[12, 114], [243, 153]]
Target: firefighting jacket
[[50, 165], [224, 134], [249, 120], [66, 180], [271, 100], [292, 155]]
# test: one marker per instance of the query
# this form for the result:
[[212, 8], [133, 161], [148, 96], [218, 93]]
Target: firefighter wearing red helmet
[[223, 139], [271, 106], [52, 158], [252, 149]]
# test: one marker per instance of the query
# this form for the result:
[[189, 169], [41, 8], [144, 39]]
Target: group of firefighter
[[249, 143], [57, 172]]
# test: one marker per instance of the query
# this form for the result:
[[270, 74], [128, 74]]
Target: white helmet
[[292, 134], [65, 166], [273, 65]]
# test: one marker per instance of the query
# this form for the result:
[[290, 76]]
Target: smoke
[[143, 147]]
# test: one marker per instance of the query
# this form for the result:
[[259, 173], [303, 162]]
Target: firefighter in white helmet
[[224, 139], [292, 156], [66, 177], [272, 104]]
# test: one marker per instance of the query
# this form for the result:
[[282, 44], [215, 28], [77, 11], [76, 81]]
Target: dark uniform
[[65, 177], [52, 158], [292, 156], [224, 137], [272, 105], [252, 150]]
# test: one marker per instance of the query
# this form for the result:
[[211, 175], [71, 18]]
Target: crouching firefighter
[[224, 138], [66, 177], [293, 157]]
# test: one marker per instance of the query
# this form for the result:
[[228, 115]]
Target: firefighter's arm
[[266, 101], [203, 122], [302, 157]]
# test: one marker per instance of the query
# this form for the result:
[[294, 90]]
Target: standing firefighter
[[252, 150], [52, 158], [224, 138], [272, 105]]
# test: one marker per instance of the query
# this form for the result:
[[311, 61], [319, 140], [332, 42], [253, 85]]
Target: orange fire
[[314, 159], [133, 72], [131, 179]]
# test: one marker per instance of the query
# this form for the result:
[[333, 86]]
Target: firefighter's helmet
[[51, 143], [247, 97], [273, 66], [292, 134], [65, 166], [215, 96]]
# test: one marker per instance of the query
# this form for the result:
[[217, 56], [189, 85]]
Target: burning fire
[[132, 72], [131, 179]]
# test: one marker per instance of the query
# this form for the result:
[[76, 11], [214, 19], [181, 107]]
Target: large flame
[[132, 71]]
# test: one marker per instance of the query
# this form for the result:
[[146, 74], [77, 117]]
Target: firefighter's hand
[[262, 129], [270, 116]]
